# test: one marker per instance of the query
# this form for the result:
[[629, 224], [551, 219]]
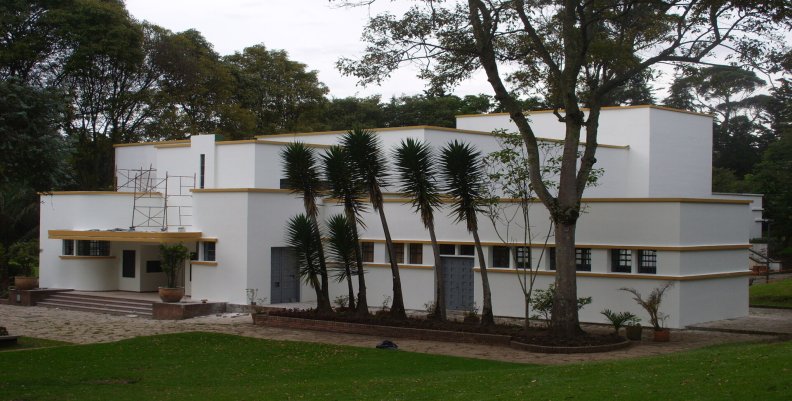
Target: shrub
[[652, 303], [618, 319], [542, 302]]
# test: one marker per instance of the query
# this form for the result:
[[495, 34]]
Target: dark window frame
[[522, 257], [367, 251], [445, 248], [92, 248], [398, 248], [467, 250], [621, 261], [501, 257], [68, 247], [583, 259], [551, 259], [209, 251], [416, 253], [647, 261]]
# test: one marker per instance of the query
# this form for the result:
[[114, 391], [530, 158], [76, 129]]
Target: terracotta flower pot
[[634, 333], [25, 283], [171, 295], [662, 335]]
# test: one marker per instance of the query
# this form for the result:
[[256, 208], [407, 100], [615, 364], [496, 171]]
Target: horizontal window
[[93, 248], [467, 250], [583, 259], [447, 249], [621, 260], [647, 261], [416, 254]]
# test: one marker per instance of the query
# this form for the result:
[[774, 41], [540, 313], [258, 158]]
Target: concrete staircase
[[98, 304]]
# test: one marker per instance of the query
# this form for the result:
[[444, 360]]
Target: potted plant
[[652, 306], [633, 329], [23, 259], [617, 319], [172, 258]]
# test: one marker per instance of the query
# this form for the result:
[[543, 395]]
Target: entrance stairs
[[98, 304]]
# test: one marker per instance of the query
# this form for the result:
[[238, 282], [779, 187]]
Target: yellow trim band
[[625, 276], [688, 248], [85, 257], [640, 106], [125, 236], [203, 263]]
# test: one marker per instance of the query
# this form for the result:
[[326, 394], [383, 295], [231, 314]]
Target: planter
[[662, 335], [634, 333], [171, 295], [25, 283]]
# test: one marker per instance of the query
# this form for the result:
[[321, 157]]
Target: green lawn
[[776, 294], [205, 366]]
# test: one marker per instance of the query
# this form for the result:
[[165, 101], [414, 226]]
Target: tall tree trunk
[[397, 308], [323, 297], [362, 302], [440, 305], [349, 286], [487, 318], [564, 321]]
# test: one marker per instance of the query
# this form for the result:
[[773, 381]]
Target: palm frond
[[462, 172], [415, 166], [369, 165], [342, 183], [341, 245], [301, 174], [301, 236]]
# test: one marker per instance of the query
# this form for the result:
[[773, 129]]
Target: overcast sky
[[313, 32]]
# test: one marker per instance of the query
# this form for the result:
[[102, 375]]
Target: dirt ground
[[87, 327]]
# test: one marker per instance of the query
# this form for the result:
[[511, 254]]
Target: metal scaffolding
[[159, 202]]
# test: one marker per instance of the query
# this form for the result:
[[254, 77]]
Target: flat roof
[[641, 106], [126, 236]]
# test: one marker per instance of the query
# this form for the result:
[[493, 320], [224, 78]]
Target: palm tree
[[463, 174], [302, 177], [301, 237], [350, 192], [342, 250], [415, 165], [369, 166]]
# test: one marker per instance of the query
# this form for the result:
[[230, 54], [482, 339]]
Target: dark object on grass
[[387, 344]]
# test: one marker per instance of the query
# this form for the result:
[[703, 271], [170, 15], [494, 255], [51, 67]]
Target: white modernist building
[[652, 218]]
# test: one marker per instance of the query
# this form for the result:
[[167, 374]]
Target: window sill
[[85, 257], [203, 263]]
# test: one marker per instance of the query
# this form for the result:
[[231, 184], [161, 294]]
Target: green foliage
[[23, 258], [652, 303], [415, 168], [542, 303], [172, 257], [619, 319], [301, 173], [368, 162], [281, 93], [301, 236], [342, 245], [462, 174], [341, 181]]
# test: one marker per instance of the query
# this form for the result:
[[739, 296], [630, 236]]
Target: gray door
[[285, 283], [458, 281]]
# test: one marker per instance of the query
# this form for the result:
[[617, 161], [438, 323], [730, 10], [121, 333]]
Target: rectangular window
[[93, 248], [447, 249], [621, 260], [203, 170], [551, 262], [522, 255], [128, 264], [647, 261], [209, 251], [467, 250], [583, 259], [416, 254], [367, 250], [153, 266], [500, 256], [399, 249], [68, 247]]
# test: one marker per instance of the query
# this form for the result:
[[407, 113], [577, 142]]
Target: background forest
[[77, 76]]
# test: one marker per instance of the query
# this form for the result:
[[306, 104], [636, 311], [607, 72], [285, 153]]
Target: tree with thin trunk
[[415, 166], [302, 177], [368, 162], [569, 53], [301, 236], [461, 168], [342, 244], [349, 192]]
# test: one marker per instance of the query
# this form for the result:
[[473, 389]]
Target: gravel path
[[87, 327]]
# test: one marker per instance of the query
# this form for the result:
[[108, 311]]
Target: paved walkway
[[760, 320], [86, 327]]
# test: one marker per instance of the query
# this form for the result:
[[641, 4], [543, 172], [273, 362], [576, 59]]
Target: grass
[[776, 294], [206, 366], [30, 342]]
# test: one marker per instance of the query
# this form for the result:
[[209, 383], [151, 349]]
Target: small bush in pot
[[652, 306], [617, 319], [23, 259], [172, 259], [633, 329]]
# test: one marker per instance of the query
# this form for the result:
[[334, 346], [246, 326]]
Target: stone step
[[114, 305], [96, 308], [99, 298], [96, 300]]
